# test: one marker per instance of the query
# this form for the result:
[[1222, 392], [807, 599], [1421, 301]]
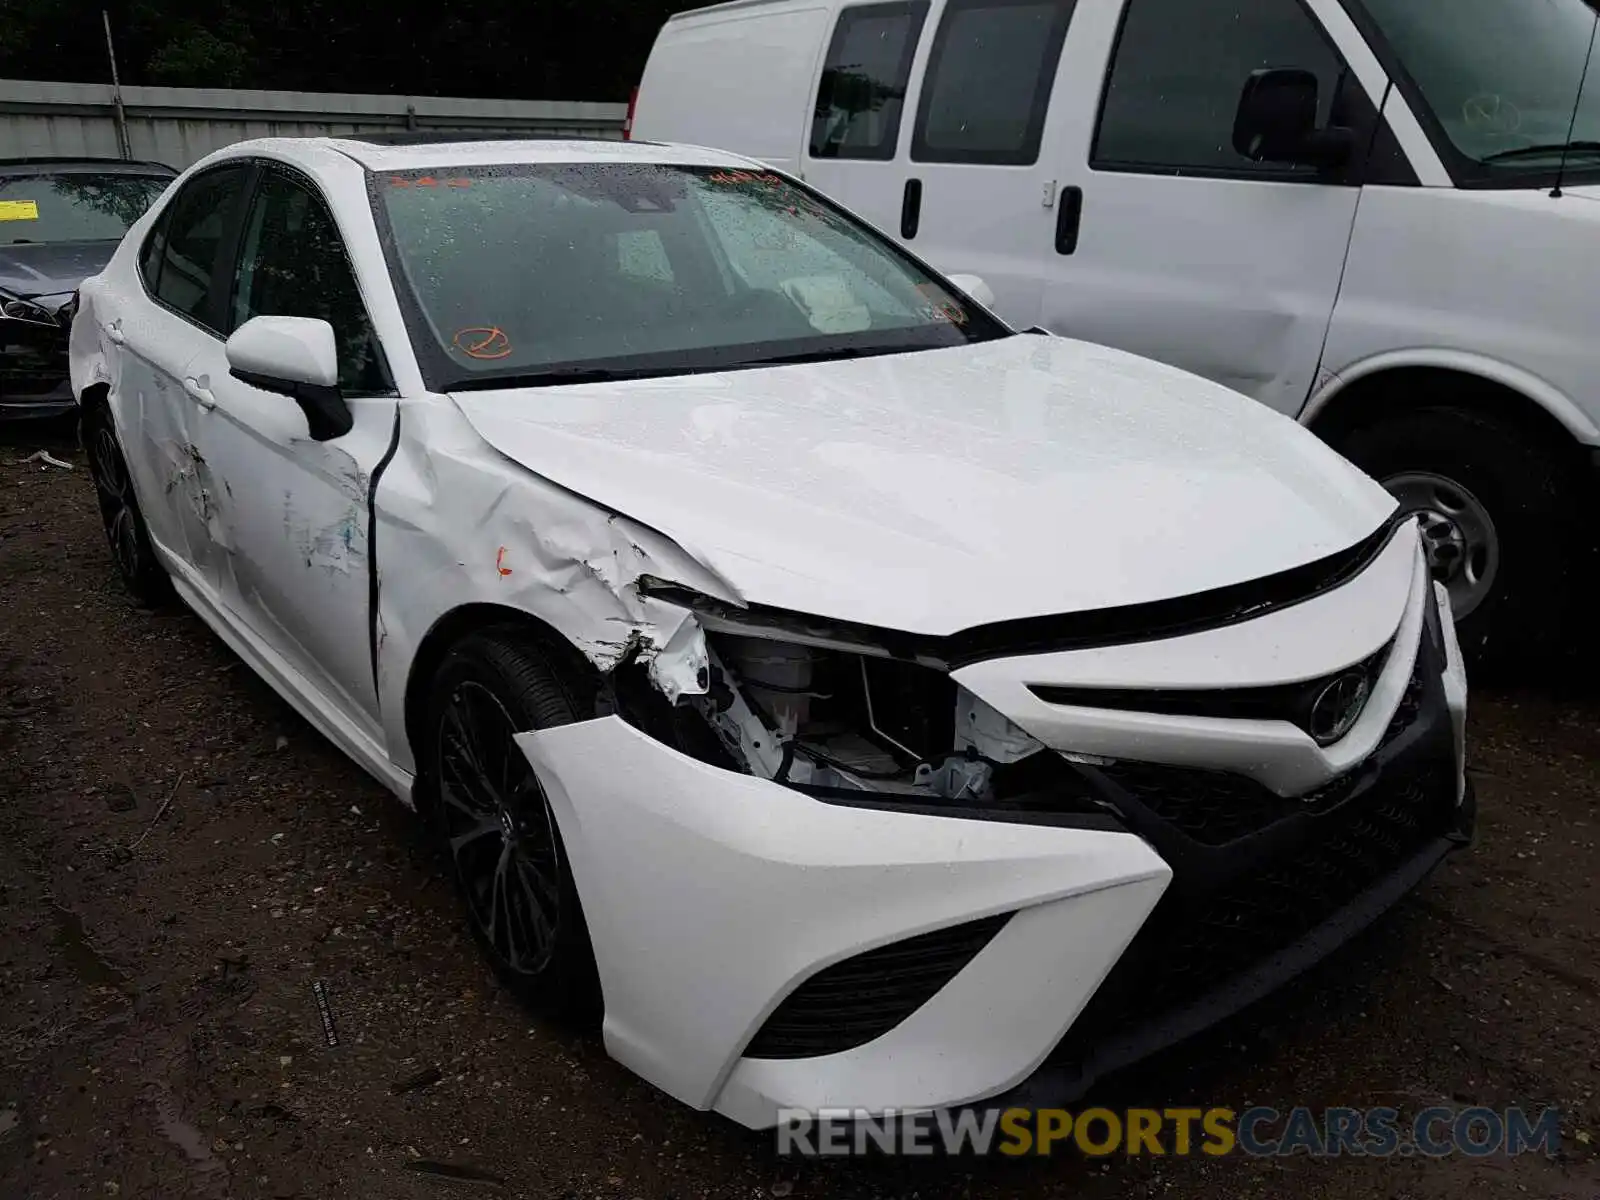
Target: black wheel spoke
[[462, 790], [487, 827], [461, 742], [503, 933], [110, 474], [497, 826], [491, 730], [543, 892], [539, 916], [124, 543]]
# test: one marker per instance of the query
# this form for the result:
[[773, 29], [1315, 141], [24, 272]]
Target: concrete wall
[[178, 126]]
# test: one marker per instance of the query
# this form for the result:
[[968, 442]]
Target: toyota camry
[[842, 697]]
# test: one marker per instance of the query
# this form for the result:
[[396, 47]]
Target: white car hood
[[931, 492]]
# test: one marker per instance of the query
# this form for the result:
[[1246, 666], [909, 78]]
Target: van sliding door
[[856, 124], [977, 192]]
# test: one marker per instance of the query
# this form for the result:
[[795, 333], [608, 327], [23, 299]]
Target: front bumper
[[748, 936], [33, 372]]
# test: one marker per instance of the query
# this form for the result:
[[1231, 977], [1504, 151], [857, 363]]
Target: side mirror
[[295, 357], [1277, 121], [974, 286]]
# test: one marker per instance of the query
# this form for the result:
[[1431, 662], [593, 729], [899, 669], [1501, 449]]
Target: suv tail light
[[627, 123]]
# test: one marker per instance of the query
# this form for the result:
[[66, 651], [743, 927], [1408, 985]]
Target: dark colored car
[[60, 221]]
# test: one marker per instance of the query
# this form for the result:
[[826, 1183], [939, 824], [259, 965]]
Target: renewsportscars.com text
[[1097, 1132]]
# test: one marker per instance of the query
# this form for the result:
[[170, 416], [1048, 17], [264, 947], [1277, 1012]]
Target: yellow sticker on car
[[19, 210]]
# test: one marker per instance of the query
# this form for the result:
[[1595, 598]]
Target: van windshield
[[547, 273], [1501, 77]]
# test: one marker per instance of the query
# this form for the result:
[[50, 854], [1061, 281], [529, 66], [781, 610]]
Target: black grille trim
[[862, 998], [1216, 808], [1133, 623]]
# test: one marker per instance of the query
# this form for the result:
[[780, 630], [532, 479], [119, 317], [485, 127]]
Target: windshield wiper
[[816, 356], [1543, 150], [561, 377]]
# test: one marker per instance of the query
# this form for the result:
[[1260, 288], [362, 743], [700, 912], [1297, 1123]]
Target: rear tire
[[1495, 510], [490, 819], [141, 572]]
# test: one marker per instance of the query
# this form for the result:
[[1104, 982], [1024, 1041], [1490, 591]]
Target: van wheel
[[1492, 507], [490, 818], [142, 574]]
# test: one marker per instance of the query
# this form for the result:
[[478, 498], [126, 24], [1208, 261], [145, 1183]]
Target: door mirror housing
[[1277, 121], [296, 357], [974, 286]]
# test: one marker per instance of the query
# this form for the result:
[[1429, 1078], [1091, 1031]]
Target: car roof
[[43, 165], [422, 151]]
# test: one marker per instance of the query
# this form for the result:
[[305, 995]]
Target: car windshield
[[1500, 76], [570, 272], [74, 206]]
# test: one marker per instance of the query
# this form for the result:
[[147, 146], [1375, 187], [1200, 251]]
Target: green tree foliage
[[529, 50]]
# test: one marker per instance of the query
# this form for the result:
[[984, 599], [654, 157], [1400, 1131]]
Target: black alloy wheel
[[493, 822], [142, 574]]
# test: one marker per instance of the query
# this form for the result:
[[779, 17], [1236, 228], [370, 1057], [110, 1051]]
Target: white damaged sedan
[[857, 702]]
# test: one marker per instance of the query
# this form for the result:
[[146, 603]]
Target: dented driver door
[[295, 512]]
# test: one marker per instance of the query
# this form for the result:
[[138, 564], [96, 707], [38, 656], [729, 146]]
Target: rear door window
[[863, 88], [990, 74], [188, 242]]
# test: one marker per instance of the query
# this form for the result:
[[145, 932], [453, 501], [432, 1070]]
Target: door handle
[[911, 209], [1069, 215], [202, 394]]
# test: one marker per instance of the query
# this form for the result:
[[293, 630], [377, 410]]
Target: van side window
[[864, 79], [1180, 67], [990, 74]]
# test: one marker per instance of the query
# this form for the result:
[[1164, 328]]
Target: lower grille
[[862, 998], [1207, 931]]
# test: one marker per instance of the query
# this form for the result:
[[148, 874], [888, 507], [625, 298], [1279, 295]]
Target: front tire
[[493, 824], [141, 572], [1493, 506]]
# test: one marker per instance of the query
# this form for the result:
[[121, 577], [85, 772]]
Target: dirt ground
[[183, 861]]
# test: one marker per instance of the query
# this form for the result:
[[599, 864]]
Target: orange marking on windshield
[[483, 341]]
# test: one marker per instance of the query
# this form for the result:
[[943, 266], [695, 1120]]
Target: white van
[[1403, 255]]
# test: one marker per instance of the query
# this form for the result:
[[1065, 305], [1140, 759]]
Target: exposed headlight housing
[[830, 705], [17, 308]]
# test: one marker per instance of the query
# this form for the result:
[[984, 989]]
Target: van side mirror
[[1277, 121], [295, 357]]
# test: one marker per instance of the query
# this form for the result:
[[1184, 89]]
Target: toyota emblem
[[1338, 707]]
